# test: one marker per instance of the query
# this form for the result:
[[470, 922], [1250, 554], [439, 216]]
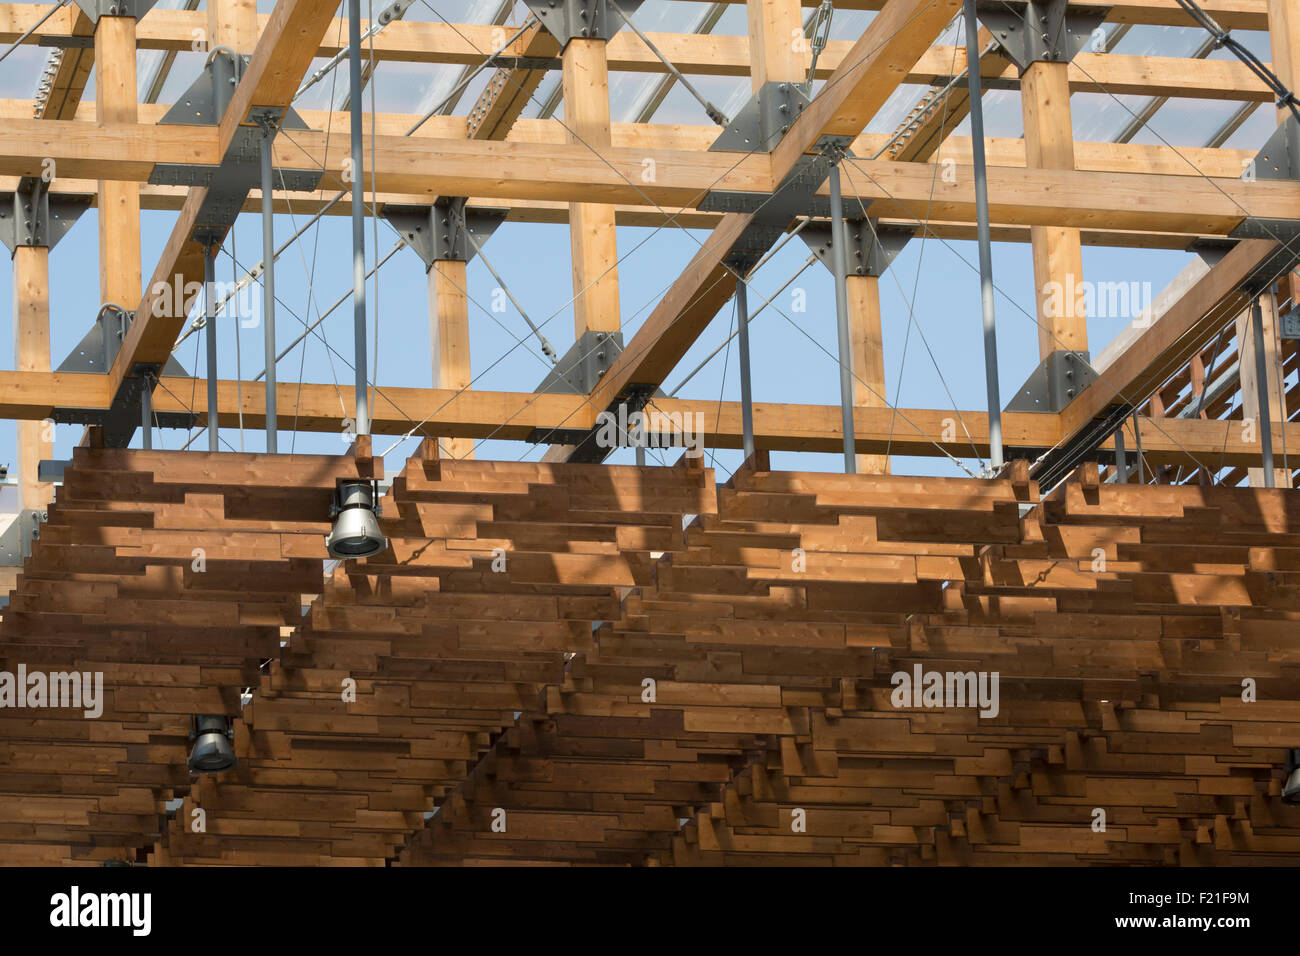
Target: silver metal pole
[[210, 324], [1261, 386], [1121, 456], [268, 285], [1137, 440], [146, 413], [840, 267], [985, 244], [358, 220], [746, 392]]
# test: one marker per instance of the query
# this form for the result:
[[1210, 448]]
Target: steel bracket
[[872, 247], [1055, 383], [1286, 232], [29, 216], [94, 9], [441, 232], [95, 354], [1032, 31], [574, 19], [773, 212], [761, 123], [98, 348], [1280, 157], [228, 185], [122, 418], [580, 368]]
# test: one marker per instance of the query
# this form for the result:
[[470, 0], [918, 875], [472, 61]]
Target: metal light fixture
[[1291, 789], [356, 531], [213, 749]]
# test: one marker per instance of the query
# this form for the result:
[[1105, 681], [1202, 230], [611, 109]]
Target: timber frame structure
[[571, 662]]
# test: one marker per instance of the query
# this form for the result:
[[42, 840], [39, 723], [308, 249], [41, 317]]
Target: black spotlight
[[213, 750], [1291, 789], [356, 529]]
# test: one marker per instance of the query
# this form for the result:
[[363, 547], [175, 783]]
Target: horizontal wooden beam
[[563, 172], [410, 41], [1001, 151], [515, 416]]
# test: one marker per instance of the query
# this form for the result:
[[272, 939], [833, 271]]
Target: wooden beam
[[119, 201], [233, 24], [592, 240], [167, 143], [449, 338], [515, 416], [284, 50], [870, 72], [69, 81], [32, 354], [411, 41], [775, 26], [1058, 255], [867, 344], [1173, 337]]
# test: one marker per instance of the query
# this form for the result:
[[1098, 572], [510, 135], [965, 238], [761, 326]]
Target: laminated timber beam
[[521, 210], [1001, 151], [466, 43], [518, 416]]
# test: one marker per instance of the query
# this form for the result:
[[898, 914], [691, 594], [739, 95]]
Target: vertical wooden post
[[1058, 255], [119, 202], [232, 23], [868, 357], [449, 339], [32, 354], [592, 240], [591, 225], [1284, 39], [777, 50]]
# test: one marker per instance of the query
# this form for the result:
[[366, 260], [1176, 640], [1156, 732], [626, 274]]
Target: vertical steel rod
[[1121, 456], [746, 391], [1137, 440], [358, 219], [268, 286], [146, 412], [985, 244], [1261, 387], [840, 267], [210, 325]]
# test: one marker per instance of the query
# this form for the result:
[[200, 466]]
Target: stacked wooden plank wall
[[582, 664]]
